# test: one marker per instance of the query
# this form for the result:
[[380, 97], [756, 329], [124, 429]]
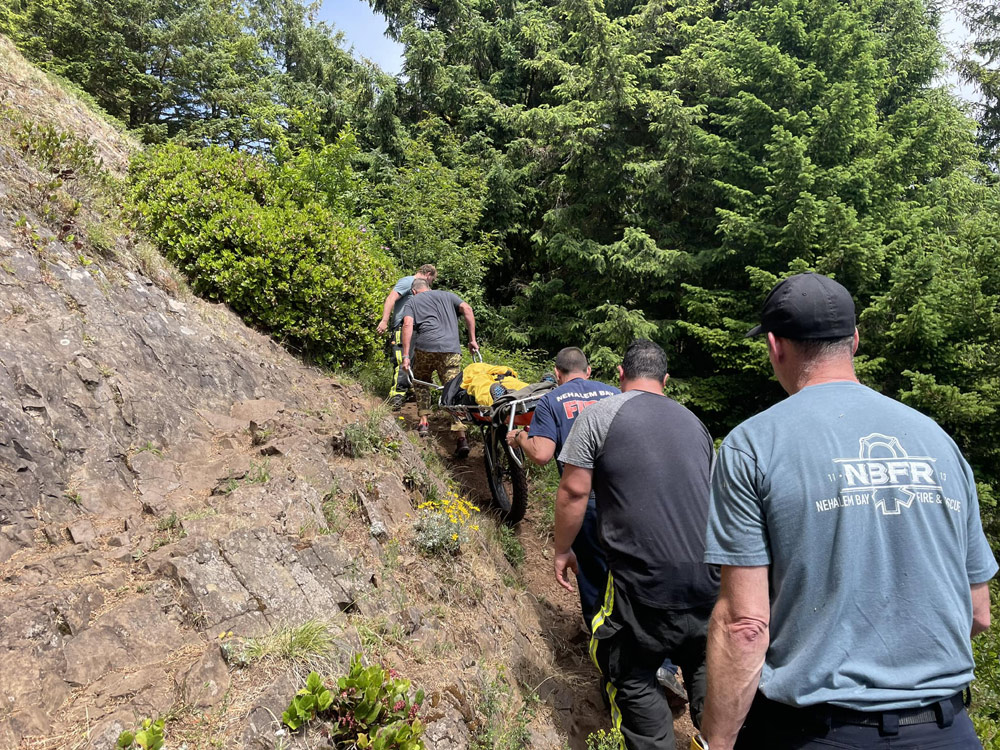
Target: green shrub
[[150, 737], [314, 698], [371, 708], [985, 710], [285, 259]]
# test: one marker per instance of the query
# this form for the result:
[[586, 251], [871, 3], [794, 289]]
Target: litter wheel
[[508, 482]]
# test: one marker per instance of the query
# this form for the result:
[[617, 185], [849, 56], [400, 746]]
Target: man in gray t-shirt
[[854, 562], [430, 334], [647, 459]]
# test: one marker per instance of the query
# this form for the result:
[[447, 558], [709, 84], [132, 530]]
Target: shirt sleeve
[[583, 446], [980, 564], [455, 300], [406, 311], [737, 529], [543, 423], [403, 285]]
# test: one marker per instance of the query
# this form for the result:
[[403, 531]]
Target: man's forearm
[[470, 322], [540, 450], [737, 645], [387, 306], [407, 336], [980, 608], [570, 510]]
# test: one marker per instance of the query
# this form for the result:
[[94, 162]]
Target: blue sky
[[365, 33]]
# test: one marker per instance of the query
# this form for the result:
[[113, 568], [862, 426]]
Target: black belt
[[942, 712]]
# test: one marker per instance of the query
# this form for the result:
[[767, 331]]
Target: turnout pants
[[629, 642], [777, 726], [400, 380]]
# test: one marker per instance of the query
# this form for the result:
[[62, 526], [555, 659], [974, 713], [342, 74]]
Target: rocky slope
[[172, 483]]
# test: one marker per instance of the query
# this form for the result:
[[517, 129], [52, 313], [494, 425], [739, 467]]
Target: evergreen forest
[[582, 172]]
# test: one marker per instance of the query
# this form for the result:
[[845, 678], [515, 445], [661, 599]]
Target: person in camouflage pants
[[430, 331], [425, 364]]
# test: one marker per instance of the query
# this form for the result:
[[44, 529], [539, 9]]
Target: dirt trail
[[559, 609]]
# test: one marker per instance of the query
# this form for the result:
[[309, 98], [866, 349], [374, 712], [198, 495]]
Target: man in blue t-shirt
[[393, 306], [855, 567], [550, 426]]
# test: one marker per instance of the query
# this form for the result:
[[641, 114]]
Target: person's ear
[[588, 372], [621, 373], [775, 347], [857, 340], [665, 379]]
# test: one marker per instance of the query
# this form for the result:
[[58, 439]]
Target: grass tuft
[[302, 644]]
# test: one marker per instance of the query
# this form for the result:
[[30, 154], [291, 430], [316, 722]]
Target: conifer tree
[[980, 66]]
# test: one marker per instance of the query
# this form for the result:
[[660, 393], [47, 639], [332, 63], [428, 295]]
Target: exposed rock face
[[167, 477]]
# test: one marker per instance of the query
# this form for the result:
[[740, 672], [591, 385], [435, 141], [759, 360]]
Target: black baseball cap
[[807, 306]]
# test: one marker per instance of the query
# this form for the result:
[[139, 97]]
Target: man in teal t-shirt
[[393, 306], [855, 567]]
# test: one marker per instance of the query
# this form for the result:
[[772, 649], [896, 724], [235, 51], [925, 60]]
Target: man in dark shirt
[[648, 460], [430, 332]]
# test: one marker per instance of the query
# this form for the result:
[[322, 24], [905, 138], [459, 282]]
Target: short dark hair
[[824, 348], [419, 285], [428, 269], [571, 359], [644, 359]]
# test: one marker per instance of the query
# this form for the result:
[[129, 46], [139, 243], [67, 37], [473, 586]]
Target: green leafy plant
[[604, 740], [371, 708], [150, 737], [309, 701]]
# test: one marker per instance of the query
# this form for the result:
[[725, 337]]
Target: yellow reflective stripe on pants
[[602, 614], [616, 714], [397, 359]]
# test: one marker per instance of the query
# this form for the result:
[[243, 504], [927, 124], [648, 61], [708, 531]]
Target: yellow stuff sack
[[477, 379]]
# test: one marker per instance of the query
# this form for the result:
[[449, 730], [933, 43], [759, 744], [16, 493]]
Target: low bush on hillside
[[444, 524], [985, 709], [268, 240], [370, 707]]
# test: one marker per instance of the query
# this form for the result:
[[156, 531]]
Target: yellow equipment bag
[[477, 379]]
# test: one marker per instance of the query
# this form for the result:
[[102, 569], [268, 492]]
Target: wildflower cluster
[[443, 526]]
